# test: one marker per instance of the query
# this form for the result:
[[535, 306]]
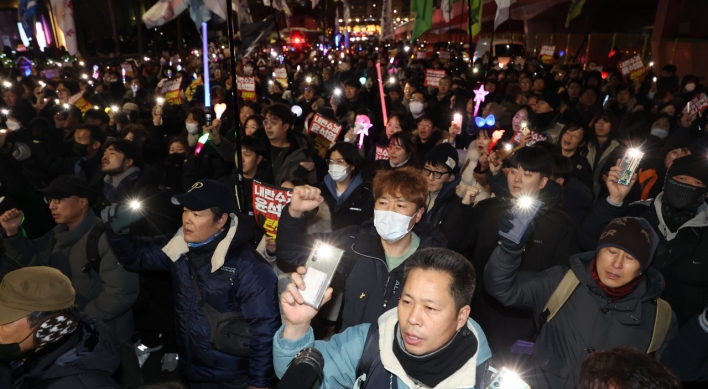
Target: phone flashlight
[[628, 165], [135, 205], [457, 119]]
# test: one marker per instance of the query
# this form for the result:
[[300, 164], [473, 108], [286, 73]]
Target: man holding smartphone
[[551, 244], [411, 345], [375, 251]]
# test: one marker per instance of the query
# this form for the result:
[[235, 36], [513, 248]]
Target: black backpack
[[92, 254]]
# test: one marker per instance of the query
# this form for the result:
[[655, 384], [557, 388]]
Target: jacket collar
[[700, 220], [177, 246], [463, 378], [115, 181], [65, 237], [355, 182]]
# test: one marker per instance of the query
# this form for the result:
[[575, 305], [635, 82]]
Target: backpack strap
[[560, 296], [661, 325], [371, 355], [92, 254]]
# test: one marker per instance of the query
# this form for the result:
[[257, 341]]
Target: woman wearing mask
[[602, 144], [348, 196], [214, 156], [573, 142], [178, 152]]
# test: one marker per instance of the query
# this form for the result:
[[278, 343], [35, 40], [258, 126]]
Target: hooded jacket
[[450, 216], [234, 278], [343, 352], [371, 288], [680, 256], [551, 244], [107, 295], [597, 169], [86, 359], [588, 321]]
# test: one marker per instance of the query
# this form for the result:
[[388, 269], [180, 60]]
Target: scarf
[[614, 293], [431, 369]]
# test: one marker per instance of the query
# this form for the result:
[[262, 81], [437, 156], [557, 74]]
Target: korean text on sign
[[268, 203], [325, 133]]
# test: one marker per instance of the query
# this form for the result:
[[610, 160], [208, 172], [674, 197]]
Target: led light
[[57, 102], [323, 250], [270, 82], [654, 79], [135, 205], [66, 106], [406, 49], [297, 110], [651, 64], [392, 80], [219, 109], [524, 202], [114, 108], [146, 59], [337, 92], [362, 80], [96, 107], [308, 79], [84, 76], [5, 112], [81, 63], [524, 124], [160, 101], [475, 70], [6, 84], [508, 147], [634, 153], [42, 84]]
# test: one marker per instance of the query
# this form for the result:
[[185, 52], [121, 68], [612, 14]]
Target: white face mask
[[338, 173], [659, 133], [391, 226], [416, 107], [192, 128], [13, 125], [690, 87]]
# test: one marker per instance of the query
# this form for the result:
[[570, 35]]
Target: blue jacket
[[237, 279], [343, 352]]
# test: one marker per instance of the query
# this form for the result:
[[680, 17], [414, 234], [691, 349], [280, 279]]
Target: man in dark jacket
[[375, 251], [47, 342], [210, 252], [104, 289], [680, 217], [551, 244], [687, 355], [443, 208], [613, 304], [290, 151]]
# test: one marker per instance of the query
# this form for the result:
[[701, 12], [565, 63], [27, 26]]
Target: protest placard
[[432, 77], [281, 75], [547, 52], [632, 68], [170, 90], [128, 67], [324, 132], [381, 152], [268, 203], [696, 105], [52, 74], [535, 137], [247, 87]]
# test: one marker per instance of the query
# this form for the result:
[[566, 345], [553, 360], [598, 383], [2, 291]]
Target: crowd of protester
[[130, 237]]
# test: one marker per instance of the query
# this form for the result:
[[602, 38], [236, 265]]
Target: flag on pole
[[254, 33], [502, 11], [163, 11], [27, 9], [576, 8], [280, 5], [64, 15], [446, 8], [199, 12], [386, 20], [423, 17], [475, 24], [346, 10], [244, 13]]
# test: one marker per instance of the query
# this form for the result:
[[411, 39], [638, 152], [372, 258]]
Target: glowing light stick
[[219, 109], [200, 143], [381, 94], [479, 95], [496, 135], [363, 123], [122, 71], [205, 58]]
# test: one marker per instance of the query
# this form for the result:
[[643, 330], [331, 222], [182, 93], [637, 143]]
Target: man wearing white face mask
[[417, 105], [375, 251]]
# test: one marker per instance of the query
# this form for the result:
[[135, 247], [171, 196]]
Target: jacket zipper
[[388, 272], [191, 310]]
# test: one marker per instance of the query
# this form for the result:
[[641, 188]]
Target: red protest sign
[[444, 55], [268, 203], [281, 75], [325, 133], [52, 74], [381, 153], [535, 137], [697, 105], [547, 52], [432, 77], [247, 87], [633, 67]]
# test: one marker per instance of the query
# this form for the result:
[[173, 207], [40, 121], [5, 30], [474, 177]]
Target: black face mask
[[176, 159], [80, 150], [12, 352], [682, 196]]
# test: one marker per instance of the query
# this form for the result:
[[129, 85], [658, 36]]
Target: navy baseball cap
[[205, 194]]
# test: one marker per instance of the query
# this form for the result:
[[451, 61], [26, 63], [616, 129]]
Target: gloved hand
[[505, 225]]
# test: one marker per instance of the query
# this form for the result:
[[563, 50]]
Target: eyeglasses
[[271, 122], [55, 201], [339, 162], [436, 174]]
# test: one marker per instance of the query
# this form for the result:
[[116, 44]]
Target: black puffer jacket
[[588, 321], [370, 288], [84, 360]]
